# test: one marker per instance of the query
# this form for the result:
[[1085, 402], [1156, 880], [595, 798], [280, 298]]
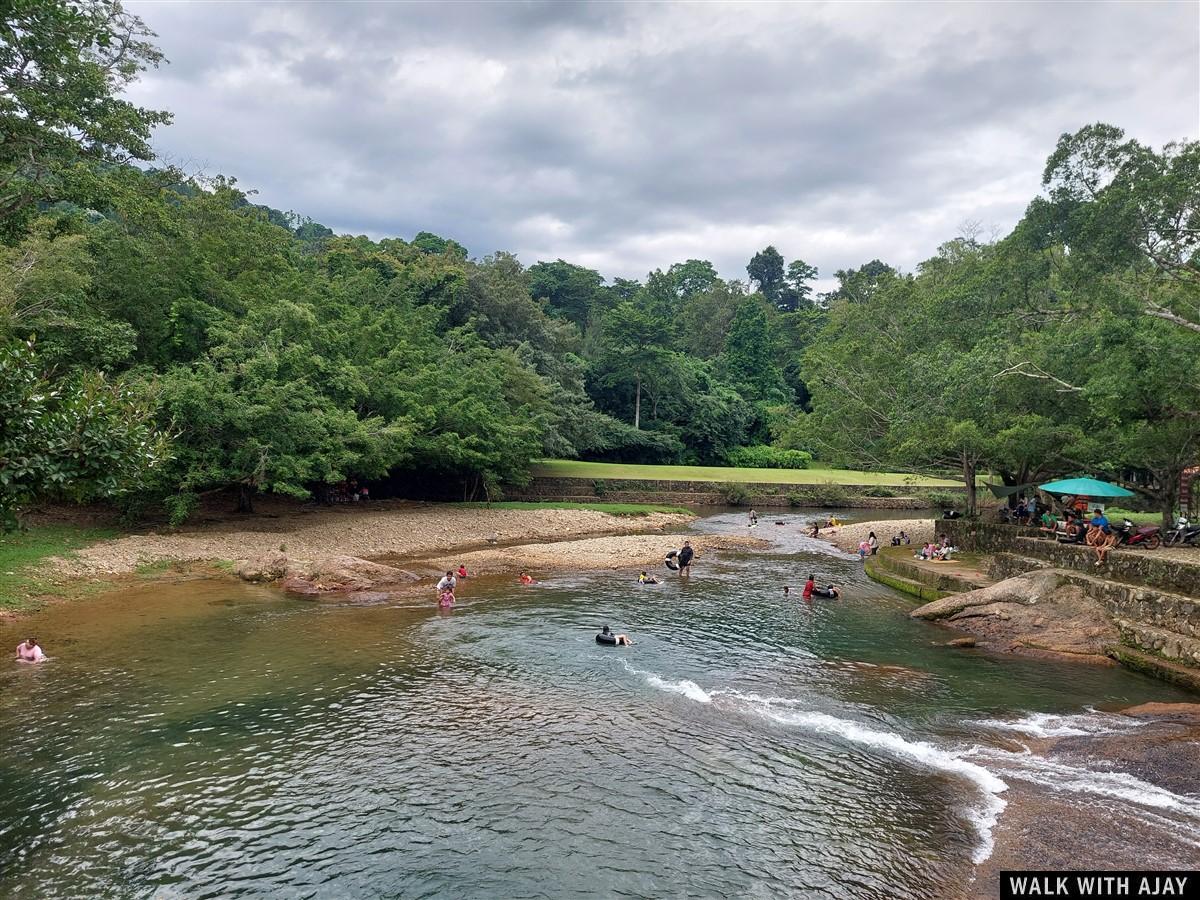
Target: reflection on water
[[216, 740]]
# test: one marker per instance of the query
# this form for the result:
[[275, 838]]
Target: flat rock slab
[[1039, 612]]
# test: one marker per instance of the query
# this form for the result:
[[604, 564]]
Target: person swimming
[[607, 638], [526, 578], [29, 651], [646, 578], [446, 599]]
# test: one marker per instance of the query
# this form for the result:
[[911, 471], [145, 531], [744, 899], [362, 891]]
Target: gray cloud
[[628, 137]]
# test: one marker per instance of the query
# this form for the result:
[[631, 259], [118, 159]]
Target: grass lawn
[[570, 468], [21, 554], [1116, 513], [613, 509]]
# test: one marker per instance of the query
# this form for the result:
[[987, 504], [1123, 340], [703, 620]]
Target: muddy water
[[211, 739]]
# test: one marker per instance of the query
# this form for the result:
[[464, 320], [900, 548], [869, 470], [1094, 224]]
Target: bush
[[878, 491], [600, 488], [830, 493], [767, 457], [946, 500], [736, 494]]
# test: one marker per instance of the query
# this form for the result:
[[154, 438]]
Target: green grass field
[[22, 575], [613, 509], [569, 468]]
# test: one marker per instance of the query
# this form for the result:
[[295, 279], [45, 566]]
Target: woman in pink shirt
[[29, 651]]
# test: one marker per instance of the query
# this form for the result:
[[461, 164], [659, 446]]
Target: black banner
[[1172, 884]]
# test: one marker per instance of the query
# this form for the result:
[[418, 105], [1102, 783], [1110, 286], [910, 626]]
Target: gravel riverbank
[[847, 537], [396, 531]]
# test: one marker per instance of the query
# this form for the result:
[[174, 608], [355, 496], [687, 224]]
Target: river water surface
[[211, 739]]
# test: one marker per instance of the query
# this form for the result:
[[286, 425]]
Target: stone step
[[1160, 641], [1157, 667]]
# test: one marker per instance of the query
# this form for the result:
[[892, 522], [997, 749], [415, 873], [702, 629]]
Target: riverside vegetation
[[161, 336]]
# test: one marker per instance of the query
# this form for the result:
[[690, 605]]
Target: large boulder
[[1038, 612], [269, 566], [342, 574]]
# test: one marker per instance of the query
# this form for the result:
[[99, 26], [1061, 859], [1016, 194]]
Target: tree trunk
[[1169, 498], [968, 469], [637, 403], [245, 498]]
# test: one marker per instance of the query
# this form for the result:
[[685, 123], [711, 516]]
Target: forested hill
[[162, 337]]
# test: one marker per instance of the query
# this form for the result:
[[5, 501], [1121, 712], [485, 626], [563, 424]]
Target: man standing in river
[[685, 559]]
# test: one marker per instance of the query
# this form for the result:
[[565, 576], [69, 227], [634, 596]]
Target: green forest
[[164, 336]]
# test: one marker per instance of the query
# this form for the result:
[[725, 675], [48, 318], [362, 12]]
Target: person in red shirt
[[462, 570], [808, 587]]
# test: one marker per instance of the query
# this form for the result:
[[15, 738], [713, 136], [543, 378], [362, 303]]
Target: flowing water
[[211, 739]]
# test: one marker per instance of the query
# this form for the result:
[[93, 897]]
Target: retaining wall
[[1138, 567], [1159, 621], [709, 493]]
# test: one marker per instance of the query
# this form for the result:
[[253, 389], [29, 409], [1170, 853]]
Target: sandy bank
[[387, 530], [620, 552], [847, 537]]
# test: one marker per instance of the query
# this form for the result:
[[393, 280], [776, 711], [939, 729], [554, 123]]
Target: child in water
[[647, 579], [446, 599], [526, 578]]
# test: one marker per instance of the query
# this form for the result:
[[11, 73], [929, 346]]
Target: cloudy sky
[[628, 137]]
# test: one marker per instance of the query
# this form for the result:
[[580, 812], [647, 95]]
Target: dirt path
[[391, 530]]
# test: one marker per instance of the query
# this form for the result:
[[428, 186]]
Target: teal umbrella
[[1085, 487]]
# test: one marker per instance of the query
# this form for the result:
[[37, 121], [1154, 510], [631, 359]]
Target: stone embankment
[[711, 493], [1138, 608]]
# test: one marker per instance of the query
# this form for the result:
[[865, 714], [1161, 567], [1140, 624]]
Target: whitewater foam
[[687, 688], [919, 752], [1062, 776], [1047, 725]]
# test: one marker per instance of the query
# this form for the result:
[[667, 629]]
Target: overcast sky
[[628, 137]]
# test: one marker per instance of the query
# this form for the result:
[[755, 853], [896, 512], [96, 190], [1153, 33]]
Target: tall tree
[[748, 360], [859, 285], [693, 277], [797, 292], [766, 270], [570, 291], [1129, 213], [63, 64], [635, 351]]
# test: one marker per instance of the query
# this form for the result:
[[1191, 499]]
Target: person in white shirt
[[29, 651]]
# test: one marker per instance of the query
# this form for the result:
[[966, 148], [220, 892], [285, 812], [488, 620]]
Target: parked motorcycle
[[1184, 532], [1130, 535]]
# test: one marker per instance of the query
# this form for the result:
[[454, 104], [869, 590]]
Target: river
[[214, 739]]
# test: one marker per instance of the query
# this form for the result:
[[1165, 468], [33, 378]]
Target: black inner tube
[[608, 639]]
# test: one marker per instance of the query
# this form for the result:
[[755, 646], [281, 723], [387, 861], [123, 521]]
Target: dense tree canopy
[[63, 64], [187, 340]]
